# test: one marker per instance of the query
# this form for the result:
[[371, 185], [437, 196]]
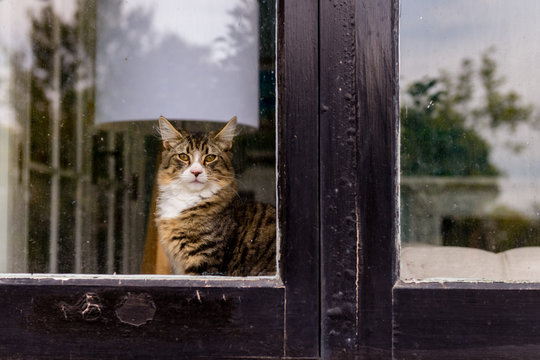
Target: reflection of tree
[[202, 85], [445, 122], [499, 108], [242, 33], [53, 38], [57, 104], [442, 120], [259, 145], [130, 39], [74, 167]]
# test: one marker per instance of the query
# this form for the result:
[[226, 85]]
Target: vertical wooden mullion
[[298, 173], [376, 56], [358, 97], [340, 235]]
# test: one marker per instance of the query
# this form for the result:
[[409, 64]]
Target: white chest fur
[[175, 197]]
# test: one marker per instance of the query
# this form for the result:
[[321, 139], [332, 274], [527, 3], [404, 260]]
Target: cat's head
[[197, 161]]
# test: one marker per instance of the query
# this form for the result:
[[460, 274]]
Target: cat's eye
[[209, 158], [183, 157]]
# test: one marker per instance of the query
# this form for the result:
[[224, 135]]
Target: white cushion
[[425, 262]]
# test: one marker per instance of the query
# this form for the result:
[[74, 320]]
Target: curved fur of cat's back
[[222, 233]]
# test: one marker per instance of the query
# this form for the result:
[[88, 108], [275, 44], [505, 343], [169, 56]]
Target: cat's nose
[[196, 172]]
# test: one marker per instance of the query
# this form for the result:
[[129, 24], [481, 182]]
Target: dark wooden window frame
[[207, 317], [339, 295], [366, 311]]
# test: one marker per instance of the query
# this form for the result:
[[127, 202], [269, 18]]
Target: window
[[366, 310], [468, 134], [196, 317], [478, 179], [85, 83], [339, 294]]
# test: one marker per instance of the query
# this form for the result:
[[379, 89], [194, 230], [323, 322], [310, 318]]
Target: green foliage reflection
[[443, 119]]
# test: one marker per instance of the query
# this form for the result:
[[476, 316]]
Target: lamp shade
[[183, 59]]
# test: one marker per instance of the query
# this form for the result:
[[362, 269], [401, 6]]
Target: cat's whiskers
[[237, 180], [236, 193], [217, 178]]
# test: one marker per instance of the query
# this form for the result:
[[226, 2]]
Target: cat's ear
[[226, 135], [168, 133]]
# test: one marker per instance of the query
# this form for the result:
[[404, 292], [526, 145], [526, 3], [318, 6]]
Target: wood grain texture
[[467, 321], [358, 176], [298, 168], [340, 236], [376, 76], [195, 322]]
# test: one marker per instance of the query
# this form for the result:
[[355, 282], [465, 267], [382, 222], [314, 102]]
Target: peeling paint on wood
[[358, 212]]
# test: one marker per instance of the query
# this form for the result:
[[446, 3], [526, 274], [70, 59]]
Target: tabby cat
[[204, 226]]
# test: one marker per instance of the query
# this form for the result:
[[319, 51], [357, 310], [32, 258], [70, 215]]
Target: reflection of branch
[[449, 97], [174, 71], [242, 32], [500, 108]]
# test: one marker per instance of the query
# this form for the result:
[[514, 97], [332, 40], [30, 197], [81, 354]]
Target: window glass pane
[[470, 189], [92, 182]]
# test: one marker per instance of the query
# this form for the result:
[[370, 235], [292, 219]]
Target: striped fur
[[203, 225]]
